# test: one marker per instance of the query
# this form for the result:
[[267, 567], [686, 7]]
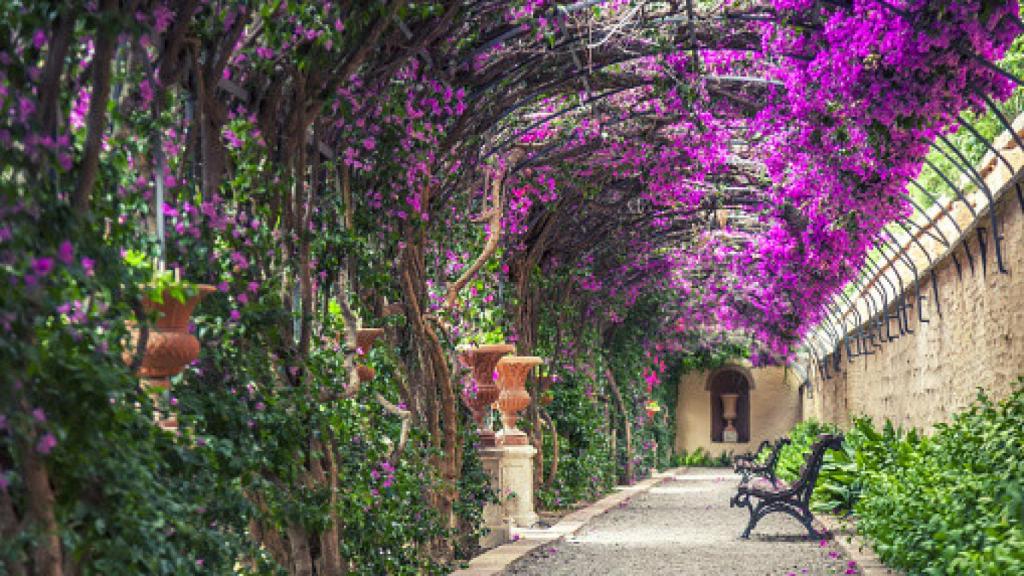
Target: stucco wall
[[775, 406], [978, 341]]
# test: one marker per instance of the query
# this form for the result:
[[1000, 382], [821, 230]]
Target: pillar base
[[496, 520], [517, 483]]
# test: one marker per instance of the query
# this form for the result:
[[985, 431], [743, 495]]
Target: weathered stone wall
[[977, 341], [775, 406]]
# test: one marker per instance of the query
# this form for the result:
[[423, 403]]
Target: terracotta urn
[[365, 339], [482, 361], [729, 434], [512, 372], [170, 347]]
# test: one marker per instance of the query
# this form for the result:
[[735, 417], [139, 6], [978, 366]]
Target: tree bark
[[96, 122], [627, 432], [47, 556]]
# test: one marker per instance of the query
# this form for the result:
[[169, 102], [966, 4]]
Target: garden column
[[517, 453], [496, 516]]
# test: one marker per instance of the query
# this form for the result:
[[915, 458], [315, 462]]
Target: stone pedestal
[[495, 515], [517, 483]]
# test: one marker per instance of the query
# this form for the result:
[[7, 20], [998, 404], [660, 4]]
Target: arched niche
[[730, 380]]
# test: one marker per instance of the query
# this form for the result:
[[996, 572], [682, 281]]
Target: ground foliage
[[950, 502]]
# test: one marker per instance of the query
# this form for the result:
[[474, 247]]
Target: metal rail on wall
[[858, 320]]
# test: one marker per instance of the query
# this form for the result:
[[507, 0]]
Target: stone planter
[[482, 361], [170, 347], [512, 372], [365, 339]]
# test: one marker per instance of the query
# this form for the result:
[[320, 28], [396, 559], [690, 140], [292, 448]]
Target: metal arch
[[941, 238], [869, 298], [870, 286], [902, 299], [884, 317], [931, 268], [993, 218], [977, 136], [902, 255], [998, 154], [1016, 138], [956, 189], [956, 226], [857, 327]]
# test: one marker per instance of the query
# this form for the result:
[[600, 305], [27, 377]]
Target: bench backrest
[[773, 458], [813, 461]]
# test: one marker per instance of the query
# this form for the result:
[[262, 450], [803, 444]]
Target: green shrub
[[948, 504], [952, 503], [802, 436], [702, 458]]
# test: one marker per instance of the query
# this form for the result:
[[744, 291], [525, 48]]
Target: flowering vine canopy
[[742, 155]]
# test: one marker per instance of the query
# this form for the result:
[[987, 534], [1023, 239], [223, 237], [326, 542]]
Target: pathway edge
[[496, 560], [855, 547]]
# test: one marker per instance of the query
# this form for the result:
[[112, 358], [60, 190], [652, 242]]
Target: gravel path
[[684, 527]]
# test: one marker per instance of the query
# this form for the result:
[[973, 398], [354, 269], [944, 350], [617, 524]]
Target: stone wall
[[775, 406], [976, 341]]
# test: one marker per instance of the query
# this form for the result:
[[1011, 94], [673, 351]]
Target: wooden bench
[[747, 466], [772, 495]]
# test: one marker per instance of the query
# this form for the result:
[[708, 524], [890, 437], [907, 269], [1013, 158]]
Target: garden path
[[684, 527]]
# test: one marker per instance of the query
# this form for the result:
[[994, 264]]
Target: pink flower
[[42, 266], [223, 287], [88, 265], [66, 252], [39, 415], [162, 17], [235, 315], [46, 443]]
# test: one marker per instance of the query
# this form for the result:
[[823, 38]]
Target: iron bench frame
[[794, 499], [746, 467]]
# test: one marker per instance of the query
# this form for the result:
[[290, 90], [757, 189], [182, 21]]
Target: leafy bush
[[803, 436], [952, 503], [702, 458]]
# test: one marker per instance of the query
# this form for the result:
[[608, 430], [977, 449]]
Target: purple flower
[[260, 406], [66, 253], [46, 443], [88, 264], [39, 415], [235, 315], [42, 266], [223, 287], [39, 38], [162, 17]]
